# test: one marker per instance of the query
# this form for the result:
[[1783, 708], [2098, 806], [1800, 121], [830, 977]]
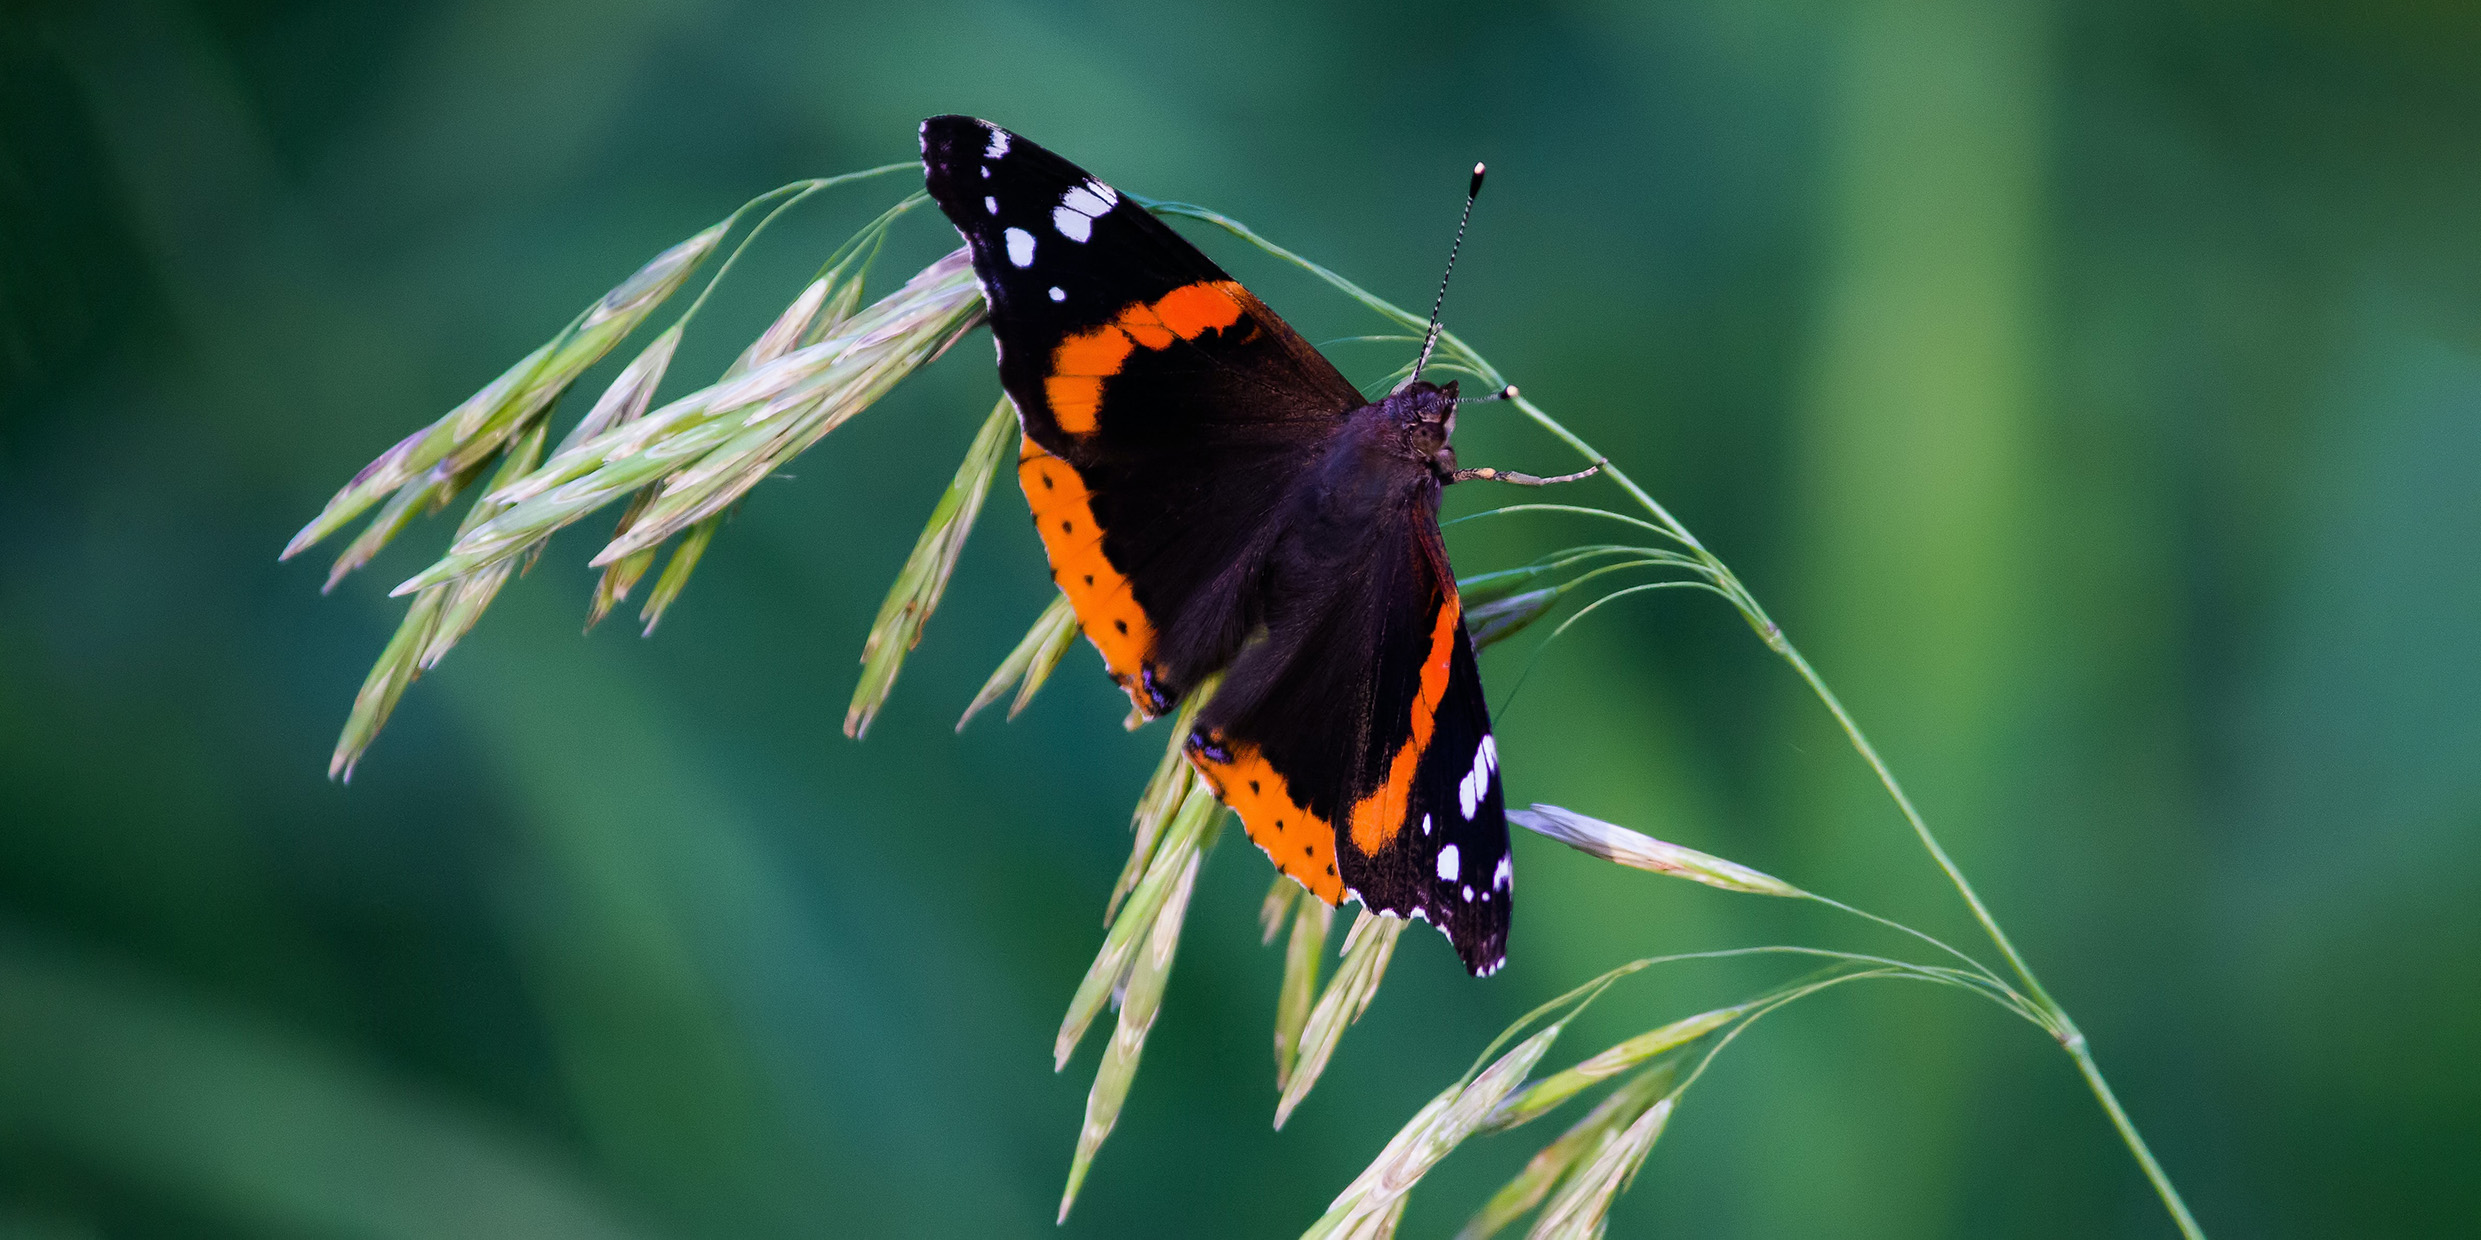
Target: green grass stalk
[[1455, 352]]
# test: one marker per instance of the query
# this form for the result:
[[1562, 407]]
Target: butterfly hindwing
[[1361, 730]]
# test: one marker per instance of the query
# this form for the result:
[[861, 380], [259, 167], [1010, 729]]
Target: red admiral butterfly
[[1216, 497]]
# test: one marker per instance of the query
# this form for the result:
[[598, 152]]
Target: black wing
[[1355, 740], [1166, 410]]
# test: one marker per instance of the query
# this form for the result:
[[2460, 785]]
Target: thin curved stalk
[[2061, 1025], [1579, 509], [1978, 968], [799, 190], [1587, 610], [1453, 349], [1586, 992]]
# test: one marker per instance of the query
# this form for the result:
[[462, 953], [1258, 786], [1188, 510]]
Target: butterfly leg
[[1487, 474]]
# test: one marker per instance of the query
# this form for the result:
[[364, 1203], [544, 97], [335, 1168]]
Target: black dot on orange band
[[1253, 785], [1089, 579], [1046, 480], [1066, 526], [1330, 869], [1121, 625], [1308, 850]]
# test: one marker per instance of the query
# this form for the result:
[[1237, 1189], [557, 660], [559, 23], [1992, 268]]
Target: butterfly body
[[1216, 499]]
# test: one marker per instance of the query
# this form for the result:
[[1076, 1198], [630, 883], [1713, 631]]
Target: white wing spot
[[1080, 207], [1425, 824], [986, 172], [1465, 797], [1448, 862], [1468, 894], [997, 148], [1490, 751], [1503, 875], [1057, 295], [990, 204], [1084, 202], [1020, 247]]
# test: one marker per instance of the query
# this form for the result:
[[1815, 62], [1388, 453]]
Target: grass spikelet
[[1275, 911], [685, 556], [1311, 920], [1030, 664], [1500, 619], [1374, 1201], [1140, 998], [1368, 946], [620, 576], [1181, 842], [925, 575], [623, 402], [438, 617], [397, 666], [613, 587], [1618, 1109], [1644, 852], [863, 361], [1167, 789], [619, 448], [786, 332], [469, 596], [1545, 1095], [417, 498], [1582, 1206], [506, 406], [710, 446], [630, 392], [1490, 587]]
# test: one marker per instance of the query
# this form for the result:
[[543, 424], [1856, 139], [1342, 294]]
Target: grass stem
[[1454, 352]]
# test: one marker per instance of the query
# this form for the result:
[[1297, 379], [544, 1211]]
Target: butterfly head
[[1422, 416]]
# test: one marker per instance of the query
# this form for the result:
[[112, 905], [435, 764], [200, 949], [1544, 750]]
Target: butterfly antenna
[[1430, 339]]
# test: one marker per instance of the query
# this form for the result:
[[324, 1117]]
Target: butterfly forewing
[[1165, 408]]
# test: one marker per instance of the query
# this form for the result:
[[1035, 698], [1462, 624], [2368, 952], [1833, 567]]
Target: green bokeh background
[[2093, 389]]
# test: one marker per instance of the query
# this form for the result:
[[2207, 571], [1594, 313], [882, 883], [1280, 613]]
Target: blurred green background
[[2094, 390]]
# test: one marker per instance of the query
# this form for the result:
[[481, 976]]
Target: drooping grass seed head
[[1644, 852], [475, 430], [1374, 1201], [1500, 619]]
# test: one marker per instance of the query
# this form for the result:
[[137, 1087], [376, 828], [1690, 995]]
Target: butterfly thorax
[[1387, 465]]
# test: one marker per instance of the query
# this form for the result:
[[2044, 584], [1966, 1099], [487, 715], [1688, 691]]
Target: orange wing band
[[1377, 818], [1084, 360], [1300, 843], [1106, 608]]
